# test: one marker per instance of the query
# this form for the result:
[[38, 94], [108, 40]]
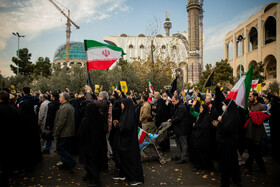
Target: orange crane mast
[[68, 27]]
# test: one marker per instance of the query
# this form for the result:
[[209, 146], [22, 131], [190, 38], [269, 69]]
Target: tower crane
[[68, 27]]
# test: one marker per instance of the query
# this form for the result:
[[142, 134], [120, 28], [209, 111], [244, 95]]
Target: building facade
[[255, 40]]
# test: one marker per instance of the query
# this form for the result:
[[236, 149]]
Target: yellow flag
[[97, 88], [259, 88], [123, 86]]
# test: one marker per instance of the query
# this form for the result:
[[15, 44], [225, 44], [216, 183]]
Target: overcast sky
[[44, 26]]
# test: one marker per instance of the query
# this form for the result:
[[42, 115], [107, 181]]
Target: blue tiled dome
[[76, 51]]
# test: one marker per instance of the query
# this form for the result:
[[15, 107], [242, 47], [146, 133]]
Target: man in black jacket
[[179, 123], [52, 108]]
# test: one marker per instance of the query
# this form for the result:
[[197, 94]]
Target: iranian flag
[[151, 87], [241, 90], [141, 135], [255, 83], [101, 56]]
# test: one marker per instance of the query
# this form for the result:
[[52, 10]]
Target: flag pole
[[89, 82]]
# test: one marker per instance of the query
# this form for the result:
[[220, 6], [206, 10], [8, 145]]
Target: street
[[170, 174]]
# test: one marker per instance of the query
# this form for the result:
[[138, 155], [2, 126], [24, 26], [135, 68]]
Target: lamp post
[[18, 35], [240, 39]]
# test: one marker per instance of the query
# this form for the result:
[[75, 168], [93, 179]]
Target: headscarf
[[204, 113], [231, 109], [127, 119]]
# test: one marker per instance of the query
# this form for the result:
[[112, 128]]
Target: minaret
[[194, 11], [167, 24]]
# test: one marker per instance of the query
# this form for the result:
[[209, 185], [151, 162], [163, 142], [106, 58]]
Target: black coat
[[10, 138], [162, 111], [52, 108], [92, 138], [179, 120], [30, 132]]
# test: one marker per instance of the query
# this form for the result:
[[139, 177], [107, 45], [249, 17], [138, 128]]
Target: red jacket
[[257, 118]]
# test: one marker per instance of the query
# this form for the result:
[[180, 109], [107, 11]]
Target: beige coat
[[145, 112]]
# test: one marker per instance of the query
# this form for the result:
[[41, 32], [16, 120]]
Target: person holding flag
[[227, 129]]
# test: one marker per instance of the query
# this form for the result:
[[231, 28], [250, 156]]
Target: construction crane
[[68, 28]]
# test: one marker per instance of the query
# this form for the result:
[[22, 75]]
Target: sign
[[259, 88], [123, 86], [97, 88]]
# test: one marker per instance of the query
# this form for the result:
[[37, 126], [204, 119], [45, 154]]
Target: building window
[[130, 46], [163, 47], [174, 47], [141, 46]]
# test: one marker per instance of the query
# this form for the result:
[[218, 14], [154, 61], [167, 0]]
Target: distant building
[[255, 40], [173, 49], [76, 55]]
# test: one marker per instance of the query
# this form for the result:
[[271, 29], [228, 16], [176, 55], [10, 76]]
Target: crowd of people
[[98, 127]]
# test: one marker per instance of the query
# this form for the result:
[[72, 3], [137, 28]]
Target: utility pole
[[18, 35]]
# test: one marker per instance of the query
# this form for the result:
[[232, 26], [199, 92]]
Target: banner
[[97, 88], [259, 88], [123, 86]]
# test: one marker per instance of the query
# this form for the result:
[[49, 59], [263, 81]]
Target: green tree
[[223, 73], [204, 76], [25, 65], [274, 87], [258, 72], [42, 67]]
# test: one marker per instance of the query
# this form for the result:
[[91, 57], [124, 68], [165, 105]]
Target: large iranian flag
[[241, 90], [100, 55]]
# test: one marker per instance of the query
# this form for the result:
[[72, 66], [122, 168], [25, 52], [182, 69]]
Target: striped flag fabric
[[100, 55], [141, 135], [241, 90], [151, 87], [255, 83]]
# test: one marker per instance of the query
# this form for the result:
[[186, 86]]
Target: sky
[[44, 26]]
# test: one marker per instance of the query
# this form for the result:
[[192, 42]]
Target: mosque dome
[[76, 51]]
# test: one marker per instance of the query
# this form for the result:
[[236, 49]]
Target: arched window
[[270, 30], [142, 46], [174, 47], [253, 36], [270, 64], [130, 46], [163, 47]]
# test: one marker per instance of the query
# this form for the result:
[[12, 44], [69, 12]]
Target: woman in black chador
[[200, 139], [127, 155], [227, 138], [92, 143]]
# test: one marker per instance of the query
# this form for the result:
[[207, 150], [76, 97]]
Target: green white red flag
[[241, 90], [151, 87], [141, 135], [255, 83], [100, 55]]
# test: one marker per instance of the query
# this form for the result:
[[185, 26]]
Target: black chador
[[200, 139], [227, 138], [92, 143], [127, 155]]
